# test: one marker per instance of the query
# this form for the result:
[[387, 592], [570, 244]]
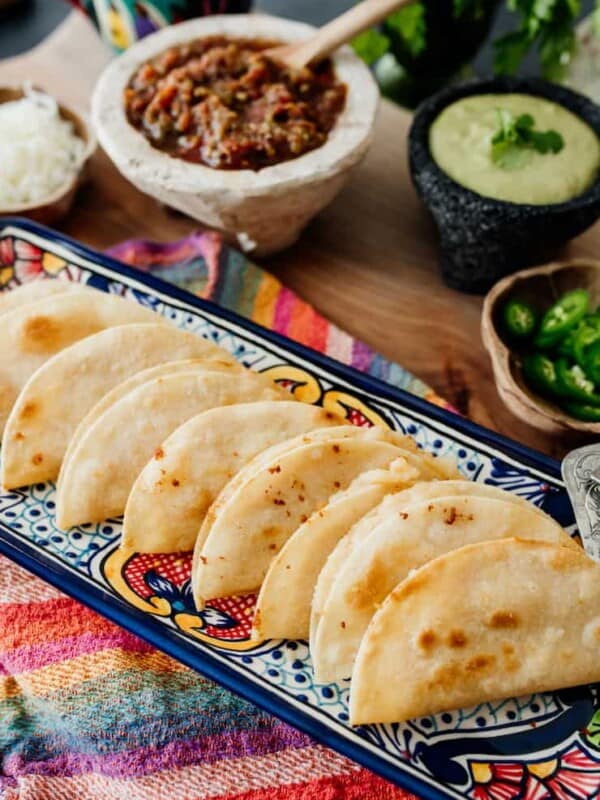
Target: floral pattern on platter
[[572, 775], [541, 746]]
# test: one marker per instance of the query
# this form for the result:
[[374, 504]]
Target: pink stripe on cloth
[[283, 310], [27, 658], [174, 755], [224, 779]]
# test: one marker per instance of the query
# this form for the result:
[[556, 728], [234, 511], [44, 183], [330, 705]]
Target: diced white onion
[[39, 151]]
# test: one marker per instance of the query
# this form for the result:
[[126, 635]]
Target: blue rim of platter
[[161, 636]]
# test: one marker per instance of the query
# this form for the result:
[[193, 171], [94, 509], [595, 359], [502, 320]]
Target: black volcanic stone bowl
[[483, 239]]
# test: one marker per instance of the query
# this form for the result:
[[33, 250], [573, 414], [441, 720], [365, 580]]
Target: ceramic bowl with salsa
[[510, 170], [199, 116]]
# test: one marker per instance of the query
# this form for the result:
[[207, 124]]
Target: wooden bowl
[[57, 205], [541, 286]]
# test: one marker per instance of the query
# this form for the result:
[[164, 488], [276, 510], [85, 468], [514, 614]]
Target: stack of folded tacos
[[428, 591]]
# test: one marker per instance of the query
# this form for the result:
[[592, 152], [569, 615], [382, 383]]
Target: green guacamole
[[460, 143]]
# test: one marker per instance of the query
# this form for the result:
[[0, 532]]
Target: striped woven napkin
[[88, 711]]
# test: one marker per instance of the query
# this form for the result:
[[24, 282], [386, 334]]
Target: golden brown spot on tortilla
[[159, 453], [274, 470], [272, 546], [278, 502], [301, 498], [204, 559], [288, 566], [288, 513], [235, 454], [37, 459], [365, 592], [329, 415], [480, 662], [40, 335], [28, 410], [426, 639], [456, 638], [175, 482], [450, 515], [272, 530], [503, 619], [510, 662], [19, 436], [415, 584], [430, 507], [403, 515], [337, 484], [336, 448], [304, 518], [446, 677], [342, 624]]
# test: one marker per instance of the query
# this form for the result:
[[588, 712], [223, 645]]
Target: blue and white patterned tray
[[541, 746]]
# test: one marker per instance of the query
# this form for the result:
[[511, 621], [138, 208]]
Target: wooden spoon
[[336, 33]]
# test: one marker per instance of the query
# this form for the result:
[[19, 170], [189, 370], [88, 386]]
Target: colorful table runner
[[90, 712]]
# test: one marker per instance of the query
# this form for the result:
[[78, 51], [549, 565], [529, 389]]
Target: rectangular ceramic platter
[[529, 747]]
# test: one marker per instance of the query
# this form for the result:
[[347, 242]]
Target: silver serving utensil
[[581, 474]]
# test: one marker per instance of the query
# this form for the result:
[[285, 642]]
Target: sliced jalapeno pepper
[[566, 346], [592, 361], [588, 332], [582, 411], [520, 319], [574, 383], [540, 373], [562, 316]]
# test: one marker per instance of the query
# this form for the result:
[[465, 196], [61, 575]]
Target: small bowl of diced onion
[[44, 150]]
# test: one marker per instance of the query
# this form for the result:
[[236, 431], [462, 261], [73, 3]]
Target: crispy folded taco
[[404, 542], [247, 531], [488, 621], [389, 507], [34, 332], [37, 290], [104, 465], [294, 571], [222, 362], [172, 494], [62, 391]]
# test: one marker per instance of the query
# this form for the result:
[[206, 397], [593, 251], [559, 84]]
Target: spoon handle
[[342, 29]]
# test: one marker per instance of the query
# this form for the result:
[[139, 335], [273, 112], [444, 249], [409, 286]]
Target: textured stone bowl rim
[[428, 111], [525, 404], [132, 152], [83, 130]]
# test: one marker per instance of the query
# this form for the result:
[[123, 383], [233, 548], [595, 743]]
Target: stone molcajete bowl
[[540, 286], [483, 239], [265, 210]]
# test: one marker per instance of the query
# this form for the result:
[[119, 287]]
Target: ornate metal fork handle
[[581, 474]]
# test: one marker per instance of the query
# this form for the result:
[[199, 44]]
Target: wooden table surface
[[368, 263]]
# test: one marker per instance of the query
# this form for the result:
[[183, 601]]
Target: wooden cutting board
[[368, 263]]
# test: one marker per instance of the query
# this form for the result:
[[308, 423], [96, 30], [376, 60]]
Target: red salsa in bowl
[[223, 103]]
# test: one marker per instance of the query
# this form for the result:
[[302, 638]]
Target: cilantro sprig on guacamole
[[516, 139]]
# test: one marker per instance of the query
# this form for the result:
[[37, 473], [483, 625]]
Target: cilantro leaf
[[409, 24], [509, 51], [515, 140], [371, 45], [545, 24]]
